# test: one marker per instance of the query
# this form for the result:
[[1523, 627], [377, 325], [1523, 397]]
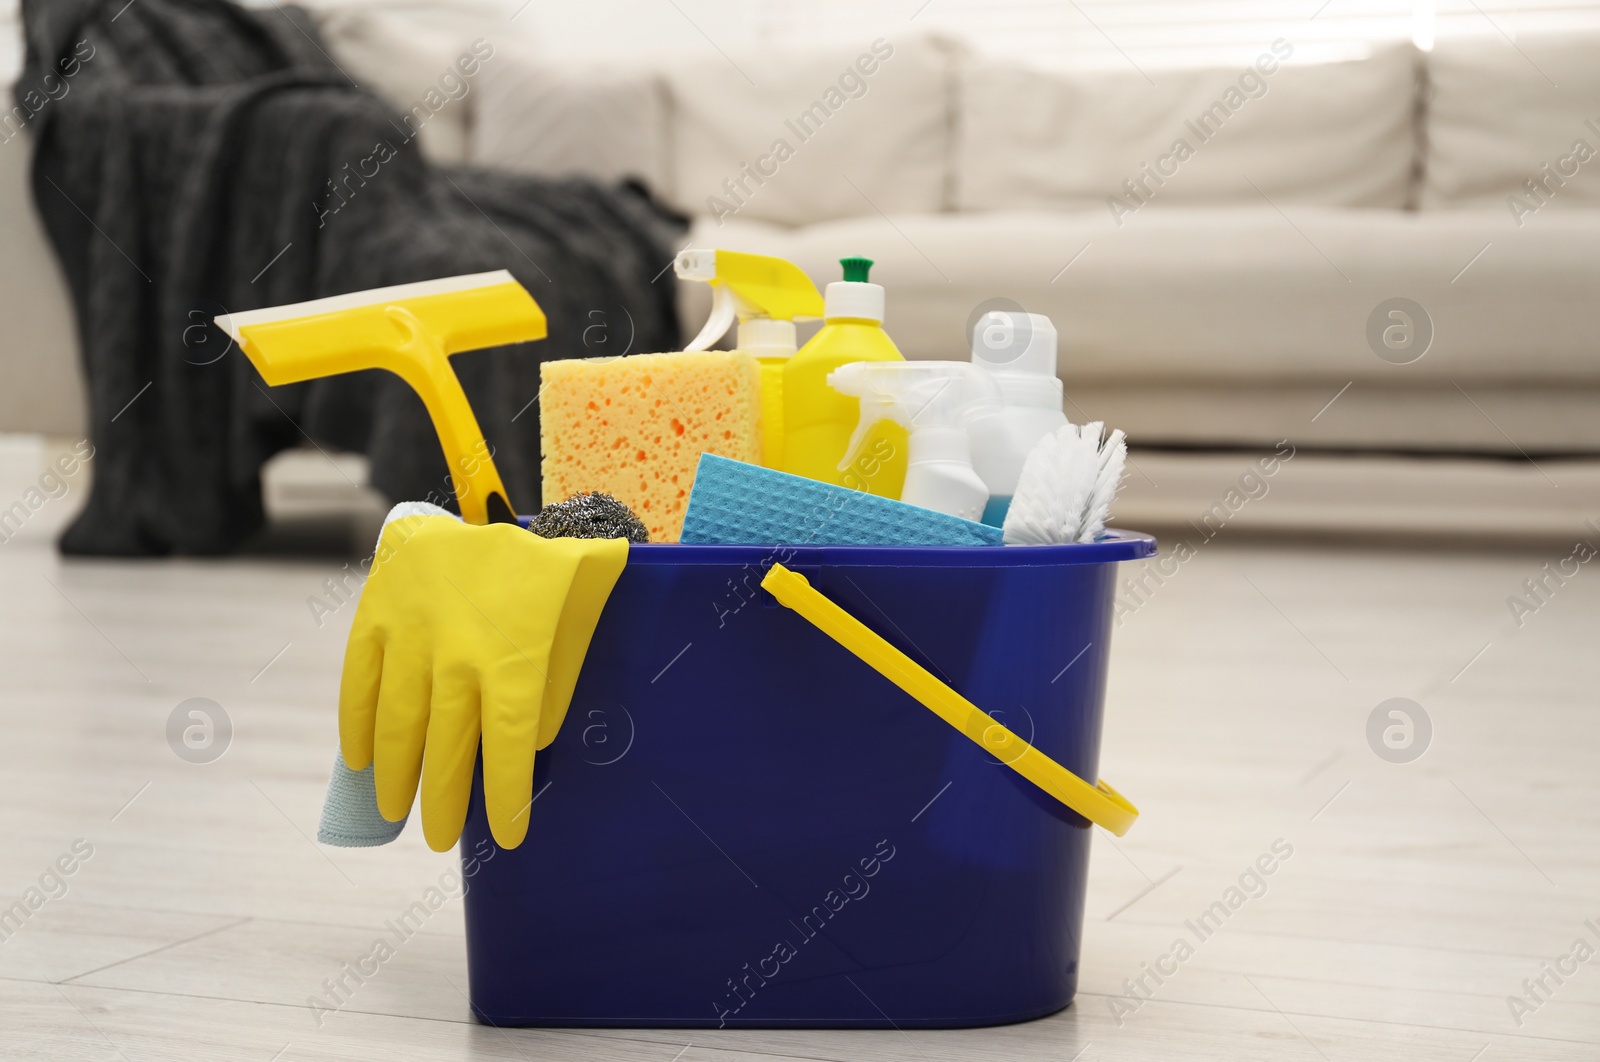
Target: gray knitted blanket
[[207, 159]]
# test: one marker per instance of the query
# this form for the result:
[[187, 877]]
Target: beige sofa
[[1228, 300], [1235, 293]]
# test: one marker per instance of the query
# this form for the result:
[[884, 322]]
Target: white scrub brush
[[1067, 484]]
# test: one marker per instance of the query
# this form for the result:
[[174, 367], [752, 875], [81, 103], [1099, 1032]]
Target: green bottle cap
[[855, 269]]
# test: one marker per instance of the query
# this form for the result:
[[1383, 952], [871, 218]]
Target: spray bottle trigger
[[871, 413], [723, 311]]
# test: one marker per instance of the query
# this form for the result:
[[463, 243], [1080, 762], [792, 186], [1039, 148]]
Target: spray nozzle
[[933, 400], [762, 292], [856, 269]]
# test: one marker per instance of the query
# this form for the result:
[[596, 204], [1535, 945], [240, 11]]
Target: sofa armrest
[[41, 378]]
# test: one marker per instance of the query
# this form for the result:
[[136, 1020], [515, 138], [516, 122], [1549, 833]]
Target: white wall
[[1088, 32], [1085, 32], [594, 29]]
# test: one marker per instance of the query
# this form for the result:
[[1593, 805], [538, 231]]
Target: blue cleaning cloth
[[350, 817], [735, 503]]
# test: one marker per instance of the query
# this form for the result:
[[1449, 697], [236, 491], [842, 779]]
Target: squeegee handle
[[425, 365], [1099, 803]]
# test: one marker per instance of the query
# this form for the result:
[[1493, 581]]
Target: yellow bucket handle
[[1099, 803]]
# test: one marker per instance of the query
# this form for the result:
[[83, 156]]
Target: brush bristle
[[1068, 483]]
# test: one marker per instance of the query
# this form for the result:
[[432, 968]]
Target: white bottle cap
[[1007, 342], [853, 298], [1019, 352], [764, 337]]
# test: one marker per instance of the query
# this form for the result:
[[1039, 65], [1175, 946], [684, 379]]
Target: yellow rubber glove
[[466, 631]]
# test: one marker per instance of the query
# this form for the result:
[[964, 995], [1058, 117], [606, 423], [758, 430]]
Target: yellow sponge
[[635, 427]]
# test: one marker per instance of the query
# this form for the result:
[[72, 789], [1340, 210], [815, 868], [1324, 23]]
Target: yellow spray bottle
[[818, 421], [766, 295]]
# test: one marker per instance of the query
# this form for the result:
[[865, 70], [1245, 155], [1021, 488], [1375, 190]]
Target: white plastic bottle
[[1018, 351]]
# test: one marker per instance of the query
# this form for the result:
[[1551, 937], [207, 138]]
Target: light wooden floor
[[1418, 897]]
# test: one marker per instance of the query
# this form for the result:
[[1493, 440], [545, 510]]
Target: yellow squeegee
[[410, 330]]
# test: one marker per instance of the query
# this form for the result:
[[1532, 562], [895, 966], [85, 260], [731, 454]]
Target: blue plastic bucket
[[742, 824]]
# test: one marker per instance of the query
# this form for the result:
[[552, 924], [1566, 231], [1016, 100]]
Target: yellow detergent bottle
[[766, 295], [817, 420]]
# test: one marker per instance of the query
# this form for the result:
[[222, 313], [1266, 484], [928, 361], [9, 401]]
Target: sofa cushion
[[795, 136], [1499, 114], [556, 119], [1242, 296], [41, 373], [1230, 325], [1324, 134]]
